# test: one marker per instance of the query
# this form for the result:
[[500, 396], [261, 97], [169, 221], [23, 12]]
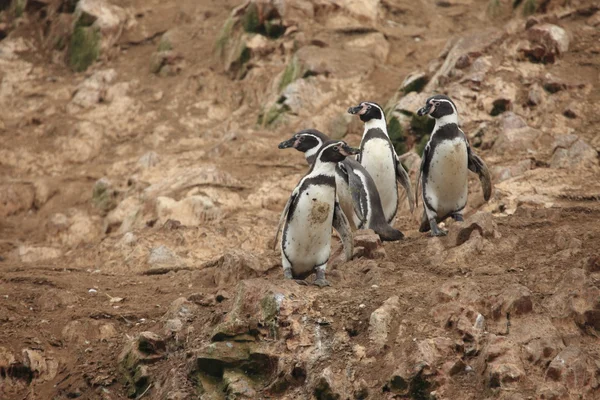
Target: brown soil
[[48, 306]]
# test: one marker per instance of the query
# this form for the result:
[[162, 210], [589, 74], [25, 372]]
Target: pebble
[[92, 291], [361, 306]]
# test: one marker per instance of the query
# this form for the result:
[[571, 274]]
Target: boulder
[[15, 198], [504, 365], [108, 19], [575, 370], [380, 322], [147, 348], [191, 211], [31, 254], [546, 43], [572, 152]]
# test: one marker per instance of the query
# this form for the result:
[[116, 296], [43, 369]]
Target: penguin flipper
[[342, 226], [283, 217], [359, 194], [404, 180], [477, 165]]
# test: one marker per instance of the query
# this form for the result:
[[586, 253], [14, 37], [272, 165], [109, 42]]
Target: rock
[[124, 216], [469, 48], [509, 121], [92, 90], [578, 298], [107, 331], [410, 103], [574, 369], [536, 95], [83, 143], [517, 141], [572, 152], [593, 264], [42, 368], [504, 366], [364, 10], [161, 258], [374, 44], [414, 82], [553, 391], [338, 63], [147, 348], [238, 386], [500, 174], [547, 42], [30, 254], [191, 211], [481, 221], [330, 386], [216, 358], [541, 341], [166, 63], [173, 325], [380, 321], [514, 301], [108, 19], [15, 198], [44, 191], [181, 309], [182, 178], [370, 243], [236, 265]]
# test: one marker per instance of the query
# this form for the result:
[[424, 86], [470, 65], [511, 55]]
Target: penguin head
[[305, 140], [438, 106], [335, 151], [367, 111]]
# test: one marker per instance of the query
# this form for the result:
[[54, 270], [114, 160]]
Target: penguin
[[378, 156], [310, 213], [446, 160], [357, 193]]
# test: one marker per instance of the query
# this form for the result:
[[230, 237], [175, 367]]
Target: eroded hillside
[[141, 186]]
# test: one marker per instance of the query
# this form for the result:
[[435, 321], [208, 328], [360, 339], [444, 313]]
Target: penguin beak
[[354, 110], [288, 143], [348, 151], [424, 110]]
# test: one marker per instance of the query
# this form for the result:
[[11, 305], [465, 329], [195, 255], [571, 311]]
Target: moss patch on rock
[[396, 134], [85, 48], [293, 71]]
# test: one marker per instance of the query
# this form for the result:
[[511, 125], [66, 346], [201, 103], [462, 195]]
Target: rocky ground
[[141, 185]]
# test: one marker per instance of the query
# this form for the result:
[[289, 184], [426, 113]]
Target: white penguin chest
[[377, 159], [446, 184], [308, 232]]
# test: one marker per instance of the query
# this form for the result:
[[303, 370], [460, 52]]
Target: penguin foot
[[438, 232], [287, 274], [322, 282], [458, 217]]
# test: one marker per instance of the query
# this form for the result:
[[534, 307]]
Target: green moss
[[273, 115], [396, 134], [60, 43], [19, 7], [416, 85], [251, 20], [493, 8], [421, 145], [293, 71], [224, 35], [421, 126], [85, 48], [270, 310], [164, 45], [529, 7]]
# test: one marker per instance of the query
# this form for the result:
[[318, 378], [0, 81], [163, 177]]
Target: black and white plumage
[[356, 190], [379, 157], [309, 215], [447, 157]]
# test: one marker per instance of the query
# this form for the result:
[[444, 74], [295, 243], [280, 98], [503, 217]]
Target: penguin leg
[[320, 271], [424, 223], [342, 226], [432, 216], [287, 267]]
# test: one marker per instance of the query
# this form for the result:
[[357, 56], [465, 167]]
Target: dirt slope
[[139, 198]]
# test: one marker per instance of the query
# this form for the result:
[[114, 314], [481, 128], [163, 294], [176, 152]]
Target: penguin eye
[[300, 138], [336, 148], [369, 107]]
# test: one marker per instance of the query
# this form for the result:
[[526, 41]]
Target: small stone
[[150, 343], [162, 257], [92, 291], [173, 325], [535, 97], [547, 42]]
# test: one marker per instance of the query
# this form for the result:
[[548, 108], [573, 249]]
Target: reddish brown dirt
[[39, 303]]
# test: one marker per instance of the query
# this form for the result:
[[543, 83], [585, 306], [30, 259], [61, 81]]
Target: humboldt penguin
[[446, 159], [378, 156], [357, 193], [309, 215]]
